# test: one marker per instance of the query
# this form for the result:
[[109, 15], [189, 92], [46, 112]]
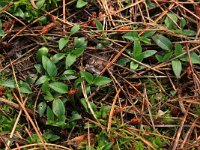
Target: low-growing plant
[[137, 53]]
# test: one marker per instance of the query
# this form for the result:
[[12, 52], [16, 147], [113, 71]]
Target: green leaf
[[2, 32], [44, 62], [133, 65], [83, 102], [178, 49], [177, 67], [61, 121], [139, 57], [163, 42], [75, 116], [148, 53], [170, 19], [74, 29], [38, 68], [25, 88], [49, 136], [18, 12], [145, 40], [188, 32], [167, 56], [159, 58], [107, 146], [70, 59], [98, 25], [148, 34], [50, 116], [69, 72], [48, 96], [81, 3], [59, 87], [130, 36], [62, 42], [137, 49], [182, 22], [78, 81], [80, 43], [58, 107], [43, 51], [0, 24], [78, 51], [99, 81], [9, 83], [51, 68], [87, 76], [41, 108], [195, 58], [57, 57], [41, 80], [40, 3], [123, 61], [45, 86]]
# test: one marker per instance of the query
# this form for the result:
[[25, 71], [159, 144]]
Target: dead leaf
[[47, 28], [124, 28], [72, 92], [77, 141], [135, 121], [7, 25], [197, 10]]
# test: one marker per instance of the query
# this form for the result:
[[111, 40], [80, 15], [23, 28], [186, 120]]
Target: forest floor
[[100, 75]]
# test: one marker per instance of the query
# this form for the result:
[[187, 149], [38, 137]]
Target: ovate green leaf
[[57, 57], [51, 68], [41, 80], [178, 49], [87, 76], [41, 108], [80, 42], [59, 87], [40, 3], [44, 61], [58, 107], [42, 51], [177, 67], [131, 36], [25, 88], [98, 25], [195, 59], [101, 80], [188, 32], [9, 83], [74, 29], [170, 20], [148, 34], [50, 116], [81, 3], [78, 51], [70, 59], [148, 53], [133, 65], [182, 22], [62, 42], [162, 42], [137, 48], [75, 116]]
